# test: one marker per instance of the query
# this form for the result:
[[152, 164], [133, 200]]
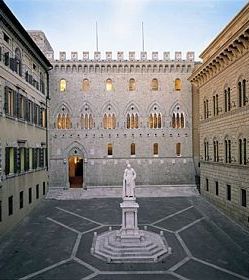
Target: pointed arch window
[[178, 84], [132, 84], [85, 85], [178, 120], [63, 85], [155, 120], [132, 120], [63, 121], [109, 85], [154, 84], [109, 121], [87, 121]]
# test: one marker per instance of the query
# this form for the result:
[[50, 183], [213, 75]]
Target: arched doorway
[[75, 171]]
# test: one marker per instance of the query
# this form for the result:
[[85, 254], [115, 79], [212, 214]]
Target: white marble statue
[[129, 182]]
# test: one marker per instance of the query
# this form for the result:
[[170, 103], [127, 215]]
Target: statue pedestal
[[129, 229], [129, 244]]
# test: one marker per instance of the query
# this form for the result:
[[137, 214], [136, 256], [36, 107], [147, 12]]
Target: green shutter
[[16, 161], [7, 160]]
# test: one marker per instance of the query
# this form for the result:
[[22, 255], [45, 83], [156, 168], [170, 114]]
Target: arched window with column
[[63, 118], [178, 118], [63, 121], [132, 116], [155, 120], [155, 117], [109, 121], [86, 121]]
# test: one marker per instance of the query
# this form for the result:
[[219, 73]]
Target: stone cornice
[[230, 45], [237, 25]]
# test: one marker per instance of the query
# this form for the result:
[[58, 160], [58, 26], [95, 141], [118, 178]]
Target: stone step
[[116, 191]]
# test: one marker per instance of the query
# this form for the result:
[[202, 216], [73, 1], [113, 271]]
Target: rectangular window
[[243, 197], [207, 185], [10, 204], [30, 195], [109, 149], [155, 149], [133, 149], [178, 149], [217, 188], [44, 188], [6, 38], [229, 192], [10, 163], [37, 191], [21, 199]]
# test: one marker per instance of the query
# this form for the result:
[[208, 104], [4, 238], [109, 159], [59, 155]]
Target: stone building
[[221, 84], [23, 111], [105, 112]]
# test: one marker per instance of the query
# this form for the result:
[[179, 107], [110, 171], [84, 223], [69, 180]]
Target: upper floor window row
[[229, 151], [109, 86], [15, 63], [19, 106], [229, 101]]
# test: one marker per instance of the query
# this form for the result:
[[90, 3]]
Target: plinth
[[129, 244]]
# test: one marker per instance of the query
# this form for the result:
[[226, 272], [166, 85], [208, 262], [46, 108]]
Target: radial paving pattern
[[55, 242]]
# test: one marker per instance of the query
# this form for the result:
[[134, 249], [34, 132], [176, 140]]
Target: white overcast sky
[[169, 25]]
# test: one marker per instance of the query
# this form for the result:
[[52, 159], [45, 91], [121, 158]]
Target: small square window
[[6, 38]]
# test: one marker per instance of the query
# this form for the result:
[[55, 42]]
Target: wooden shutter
[[26, 159], [7, 160], [6, 101], [16, 161]]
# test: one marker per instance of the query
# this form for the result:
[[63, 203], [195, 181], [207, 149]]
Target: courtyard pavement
[[54, 241]]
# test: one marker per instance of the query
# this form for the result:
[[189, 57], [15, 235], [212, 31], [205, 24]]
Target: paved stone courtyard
[[54, 241]]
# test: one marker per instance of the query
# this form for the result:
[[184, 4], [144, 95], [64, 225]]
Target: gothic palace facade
[[106, 112], [174, 120]]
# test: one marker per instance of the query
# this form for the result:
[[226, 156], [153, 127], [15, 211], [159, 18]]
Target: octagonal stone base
[[147, 247]]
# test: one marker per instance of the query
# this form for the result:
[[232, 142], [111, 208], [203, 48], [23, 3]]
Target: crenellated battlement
[[120, 57]]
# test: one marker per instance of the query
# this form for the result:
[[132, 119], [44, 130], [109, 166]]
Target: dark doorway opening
[[75, 165]]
